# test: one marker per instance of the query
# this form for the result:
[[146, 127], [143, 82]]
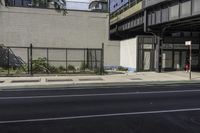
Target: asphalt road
[[111, 109]]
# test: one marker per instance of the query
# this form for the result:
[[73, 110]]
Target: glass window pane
[[149, 19], [165, 14], [174, 12], [153, 18], [196, 5], [167, 59], [186, 8], [158, 17]]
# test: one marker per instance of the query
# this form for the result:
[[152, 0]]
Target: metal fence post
[[88, 63], [47, 60], [95, 57], [31, 58], [8, 61], [28, 60], [102, 59], [66, 61], [84, 61]]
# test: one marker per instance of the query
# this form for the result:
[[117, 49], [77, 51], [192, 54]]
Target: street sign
[[188, 43]]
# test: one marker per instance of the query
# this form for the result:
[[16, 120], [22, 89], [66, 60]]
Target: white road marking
[[102, 94], [97, 116]]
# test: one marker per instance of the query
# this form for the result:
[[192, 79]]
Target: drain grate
[[91, 79], [58, 80], [135, 79], [25, 81]]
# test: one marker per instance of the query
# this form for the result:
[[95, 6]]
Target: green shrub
[[40, 65], [52, 69], [98, 71], [21, 69], [61, 68], [71, 68], [120, 68], [83, 66]]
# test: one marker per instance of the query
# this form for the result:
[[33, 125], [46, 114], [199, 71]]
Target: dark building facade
[[169, 22]]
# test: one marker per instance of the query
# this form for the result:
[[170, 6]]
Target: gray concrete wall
[[49, 28]]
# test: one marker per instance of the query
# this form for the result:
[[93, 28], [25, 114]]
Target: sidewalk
[[141, 77]]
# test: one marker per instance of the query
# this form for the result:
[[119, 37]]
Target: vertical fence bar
[[47, 60], [8, 63], [102, 59], [84, 61], [31, 59], [66, 60], [28, 61], [88, 58], [91, 55], [95, 57]]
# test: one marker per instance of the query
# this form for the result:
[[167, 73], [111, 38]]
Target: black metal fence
[[21, 61]]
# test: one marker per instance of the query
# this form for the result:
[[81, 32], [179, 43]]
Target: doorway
[[176, 60], [147, 60]]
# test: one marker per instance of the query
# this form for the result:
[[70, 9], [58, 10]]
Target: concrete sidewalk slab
[[141, 77]]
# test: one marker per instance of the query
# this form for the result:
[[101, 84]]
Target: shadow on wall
[[8, 58]]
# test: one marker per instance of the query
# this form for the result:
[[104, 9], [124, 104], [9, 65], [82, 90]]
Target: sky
[[78, 4]]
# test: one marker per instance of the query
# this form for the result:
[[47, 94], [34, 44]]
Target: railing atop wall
[[148, 3], [49, 4], [124, 7], [21, 61], [125, 12]]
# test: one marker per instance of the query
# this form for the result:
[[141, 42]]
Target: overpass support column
[[158, 54]]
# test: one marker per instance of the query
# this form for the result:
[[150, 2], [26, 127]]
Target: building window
[[149, 19], [165, 14], [174, 12], [158, 16], [185, 8], [195, 6], [167, 59], [153, 18]]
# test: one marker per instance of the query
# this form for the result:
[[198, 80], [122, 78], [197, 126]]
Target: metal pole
[[190, 70], [31, 58], [102, 59], [66, 61]]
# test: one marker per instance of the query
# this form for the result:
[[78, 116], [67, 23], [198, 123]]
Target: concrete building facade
[[170, 23], [21, 26]]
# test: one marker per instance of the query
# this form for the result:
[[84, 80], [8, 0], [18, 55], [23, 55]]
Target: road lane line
[[98, 116], [101, 94]]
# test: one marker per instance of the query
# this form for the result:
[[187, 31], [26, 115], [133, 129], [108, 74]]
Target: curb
[[111, 84]]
